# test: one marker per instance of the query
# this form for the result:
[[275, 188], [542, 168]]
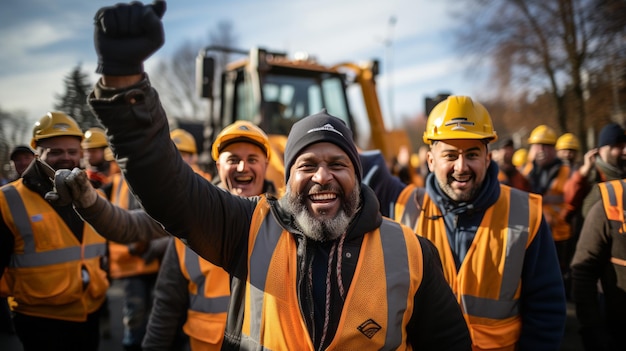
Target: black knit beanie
[[320, 127]]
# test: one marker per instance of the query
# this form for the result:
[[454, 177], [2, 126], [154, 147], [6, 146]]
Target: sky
[[41, 41]]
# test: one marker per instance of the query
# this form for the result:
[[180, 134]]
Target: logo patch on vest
[[369, 328]]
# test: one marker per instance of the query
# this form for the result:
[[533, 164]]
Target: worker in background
[[186, 145], [308, 270], [190, 286], [567, 149], [508, 174], [520, 157], [605, 162], [53, 260], [136, 265], [547, 175], [495, 245], [94, 145], [601, 256], [21, 157]]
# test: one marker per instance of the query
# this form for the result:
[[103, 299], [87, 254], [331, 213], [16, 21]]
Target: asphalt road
[[571, 342]]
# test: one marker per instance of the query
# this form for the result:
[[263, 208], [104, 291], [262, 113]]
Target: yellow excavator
[[274, 91]]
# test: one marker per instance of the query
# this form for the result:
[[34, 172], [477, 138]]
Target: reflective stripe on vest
[[31, 258], [496, 255], [613, 206], [507, 304], [198, 301], [391, 254], [51, 273]]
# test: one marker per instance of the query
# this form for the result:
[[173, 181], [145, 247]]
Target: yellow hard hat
[[108, 154], [458, 117], [241, 131], [54, 124], [185, 142], [542, 135], [567, 141], [520, 156], [94, 138]]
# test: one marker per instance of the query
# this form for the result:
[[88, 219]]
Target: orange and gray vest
[[554, 203], [487, 285], [51, 274], [209, 294], [613, 200], [378, 304], [122, 263]]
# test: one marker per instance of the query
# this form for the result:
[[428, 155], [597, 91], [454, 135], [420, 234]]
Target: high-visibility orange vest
[[209, 295], [272, 319], [121, 263], [613, 201], [51, 274], [488, 283], [554, 203]]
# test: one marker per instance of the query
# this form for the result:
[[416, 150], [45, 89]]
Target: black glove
[[126, 35]]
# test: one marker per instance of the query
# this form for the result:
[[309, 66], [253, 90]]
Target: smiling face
[[460, 167], [323, 193], [241, 167], [62, 152]]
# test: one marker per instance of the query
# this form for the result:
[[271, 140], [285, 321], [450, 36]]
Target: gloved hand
[[156, 249], [126, 35], [72, 187]]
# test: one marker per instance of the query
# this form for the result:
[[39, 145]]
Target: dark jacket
[[602, 320], [216, 223]]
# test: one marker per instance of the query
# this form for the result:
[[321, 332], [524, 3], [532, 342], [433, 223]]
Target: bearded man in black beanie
[[315, 269]]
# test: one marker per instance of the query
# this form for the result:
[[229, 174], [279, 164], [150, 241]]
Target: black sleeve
[[7, 241], [437, 322]]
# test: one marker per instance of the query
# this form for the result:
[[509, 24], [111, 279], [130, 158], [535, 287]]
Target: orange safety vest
[[209, 295], [51, 274], [613, 200], [487, 285], [272, 319], [122, 263], [554, 203]]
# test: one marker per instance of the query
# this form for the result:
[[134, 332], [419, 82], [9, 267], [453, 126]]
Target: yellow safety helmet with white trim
[[241, 131], [54, 124], [542, 135], [567, 141], [459, 117], [184, 141], [94, 138]]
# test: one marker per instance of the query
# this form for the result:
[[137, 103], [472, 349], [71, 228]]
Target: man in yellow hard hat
[[567, 149], [493, 240], [318, 268], [547, 175], [186, 145], [97, 167], [187, 283], [53, 259]]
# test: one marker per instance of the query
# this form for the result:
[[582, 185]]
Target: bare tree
[[539, 47], [15, 129], [175, 77]]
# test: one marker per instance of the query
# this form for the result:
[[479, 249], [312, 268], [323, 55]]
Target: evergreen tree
[[74, 101]]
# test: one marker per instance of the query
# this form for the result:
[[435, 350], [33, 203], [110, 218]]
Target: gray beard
[[315, 228]]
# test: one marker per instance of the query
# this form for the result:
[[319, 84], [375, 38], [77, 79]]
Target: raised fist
[[126, 35]]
